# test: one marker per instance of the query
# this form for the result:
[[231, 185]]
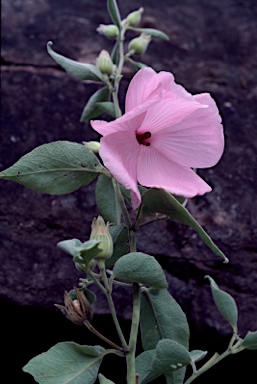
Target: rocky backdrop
[[212, 48]]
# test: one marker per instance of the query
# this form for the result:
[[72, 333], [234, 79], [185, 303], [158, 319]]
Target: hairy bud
[[139, 45], [134, 18], [110, 31], [100, 232], [104, 63]]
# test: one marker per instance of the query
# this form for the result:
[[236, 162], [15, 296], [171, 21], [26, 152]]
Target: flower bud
[[94, 146], [77, 310], [100, 232], [110, 31], [139, 45], [134, 18], [104, 63]]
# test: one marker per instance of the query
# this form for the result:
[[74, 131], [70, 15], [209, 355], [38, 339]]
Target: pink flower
[[164, 132]]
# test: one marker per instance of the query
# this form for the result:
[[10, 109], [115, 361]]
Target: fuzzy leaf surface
[[140, 268], [143, 364], [56, 168], [225, 304], [120, 237], [66, 363], [79, 70], [152, 32], [159, 201], [107, 201], [250, 341], [92, 109], [103, 380], [114, 12]]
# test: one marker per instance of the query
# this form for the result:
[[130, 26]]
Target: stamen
[[142, 137]]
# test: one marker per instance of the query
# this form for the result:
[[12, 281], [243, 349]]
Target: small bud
[[100, 232], [110, 31], [104, 63], [139, 45], [77, 310], [94, 146], [134, 18]]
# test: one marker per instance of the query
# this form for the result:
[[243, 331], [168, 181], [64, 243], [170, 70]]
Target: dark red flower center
[[143, 137]]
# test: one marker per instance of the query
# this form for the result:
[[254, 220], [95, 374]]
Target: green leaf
[[152, 32], [143, 364], [169, 356], [120, 237], [79, 70], [250, 341], [92, 109], [225, 304], [56, 168], [65, 363], [140, 268], [162, 318], [157, 200], [107, 201], [197, 355], [107, 107], [82, 253], [114, 12], [103, 380]]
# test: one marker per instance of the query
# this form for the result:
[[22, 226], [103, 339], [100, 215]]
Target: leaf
[[250, 341], [152, 32], [107, 107], [143, 364], [82, 253], [162, 318], [107, 201], [169, 356], [114, 12], [157, 200], [56, 168], [65, 363], [140, 268], [103, 380], [197, 355], [225, 304], [79, 70], [92, 108], [120, 237]]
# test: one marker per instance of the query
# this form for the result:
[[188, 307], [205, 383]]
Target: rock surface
[[212, 48]]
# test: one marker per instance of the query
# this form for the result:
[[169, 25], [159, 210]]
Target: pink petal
[[147, 85], [155, 170], [167, 113], [197, 141], [119, 152]]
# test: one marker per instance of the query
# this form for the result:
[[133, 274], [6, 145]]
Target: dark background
[[212, 48]]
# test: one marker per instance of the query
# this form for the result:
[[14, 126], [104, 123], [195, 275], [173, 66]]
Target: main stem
[[131, 355]]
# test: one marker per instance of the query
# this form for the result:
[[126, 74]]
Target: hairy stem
[[131, 365]]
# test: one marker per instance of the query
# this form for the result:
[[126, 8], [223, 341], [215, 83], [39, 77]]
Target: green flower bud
[[78, 309], [139, 45], [134, 18], [100, 232], [94, 146], [110, 31], [104, 63]]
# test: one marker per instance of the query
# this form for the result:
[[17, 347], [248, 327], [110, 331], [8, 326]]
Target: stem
[[111, 305], [131, 366], [121, 201], [92, 329]]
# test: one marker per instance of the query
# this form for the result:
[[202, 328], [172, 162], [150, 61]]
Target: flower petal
[[155, 170], [197, 141], [147, 84], [167, 113], [119, 152]]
